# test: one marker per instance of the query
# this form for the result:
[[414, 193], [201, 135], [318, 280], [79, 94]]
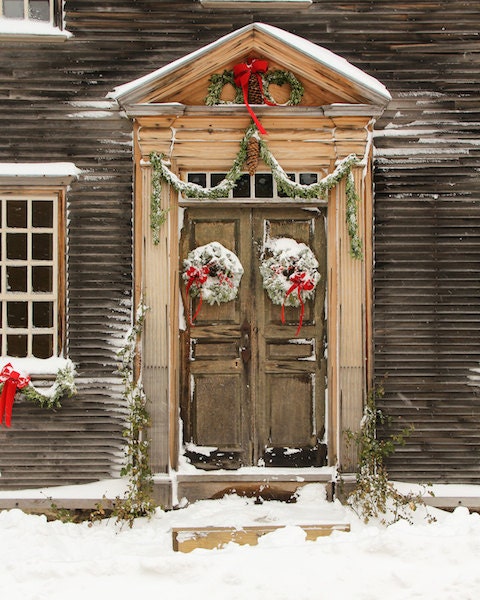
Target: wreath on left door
[[212, 273]]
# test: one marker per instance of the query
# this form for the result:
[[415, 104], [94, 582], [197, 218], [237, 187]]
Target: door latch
[[245, 349]]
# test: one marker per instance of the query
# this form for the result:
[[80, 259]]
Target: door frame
[[349, 283]]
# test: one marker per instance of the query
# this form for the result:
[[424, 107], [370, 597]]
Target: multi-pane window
[[29, 291], [38, 10], [260, 185]]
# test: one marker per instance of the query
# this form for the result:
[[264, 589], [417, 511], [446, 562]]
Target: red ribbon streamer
[[12, 380], [197, 276], [300, 282], [241, 75]]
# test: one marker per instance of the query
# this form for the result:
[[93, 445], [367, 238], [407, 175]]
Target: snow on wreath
[[289, 274], [213, 274]]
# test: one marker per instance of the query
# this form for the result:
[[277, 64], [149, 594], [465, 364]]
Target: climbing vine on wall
[[137, 501]]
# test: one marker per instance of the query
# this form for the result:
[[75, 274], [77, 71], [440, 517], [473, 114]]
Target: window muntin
[[29, 263], [35, 10], [259, 185]]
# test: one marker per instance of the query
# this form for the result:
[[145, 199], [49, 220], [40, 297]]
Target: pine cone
[[253, 153], [254, 92]]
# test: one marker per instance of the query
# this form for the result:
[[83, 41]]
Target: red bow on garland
[[12, 380], [300, 281], [197, 276], [241, 75]]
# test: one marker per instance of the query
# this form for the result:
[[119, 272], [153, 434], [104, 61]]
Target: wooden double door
[[251, 392]]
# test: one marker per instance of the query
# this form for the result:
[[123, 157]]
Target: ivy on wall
[[137, 501]]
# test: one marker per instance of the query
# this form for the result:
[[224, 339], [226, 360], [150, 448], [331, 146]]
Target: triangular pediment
[[326, 77]]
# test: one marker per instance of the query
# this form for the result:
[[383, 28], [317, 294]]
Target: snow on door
[[251, 391]]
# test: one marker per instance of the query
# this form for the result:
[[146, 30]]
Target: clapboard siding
[[54, 106]]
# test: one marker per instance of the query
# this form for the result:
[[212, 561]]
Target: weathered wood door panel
[[251, 392]]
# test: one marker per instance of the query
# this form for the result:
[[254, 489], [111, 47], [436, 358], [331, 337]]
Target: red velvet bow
[[241, 75], [300, 281], [12, 380], [197, 276]]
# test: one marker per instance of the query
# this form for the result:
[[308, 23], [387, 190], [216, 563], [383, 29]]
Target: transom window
[[29, 323], [37, 10], [260, 185]]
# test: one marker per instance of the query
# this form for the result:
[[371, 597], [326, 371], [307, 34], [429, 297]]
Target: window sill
[[30, 31], [256, 4]]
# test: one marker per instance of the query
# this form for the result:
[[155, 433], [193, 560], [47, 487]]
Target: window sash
[[37, 311]]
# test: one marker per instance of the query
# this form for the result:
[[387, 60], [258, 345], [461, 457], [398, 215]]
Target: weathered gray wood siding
[[53, 106]]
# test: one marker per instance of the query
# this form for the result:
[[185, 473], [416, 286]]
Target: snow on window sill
[[256, 4], [36, 366], [29, 30], [56, 173]]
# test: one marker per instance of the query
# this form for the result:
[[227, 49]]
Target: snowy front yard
[[52, 560]]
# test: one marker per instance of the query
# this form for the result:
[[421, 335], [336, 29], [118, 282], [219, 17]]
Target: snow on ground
[[53, 560]]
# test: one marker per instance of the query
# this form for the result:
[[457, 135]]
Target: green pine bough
[[320, 189]]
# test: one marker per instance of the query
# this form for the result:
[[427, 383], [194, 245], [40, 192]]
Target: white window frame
[[40, 181], [29, 296], [27, 29]]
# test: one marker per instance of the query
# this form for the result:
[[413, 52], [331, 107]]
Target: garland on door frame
[[292, 189], [158, 215], [11, 381]]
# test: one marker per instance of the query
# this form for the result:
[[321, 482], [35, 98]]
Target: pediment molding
[[328, 79]]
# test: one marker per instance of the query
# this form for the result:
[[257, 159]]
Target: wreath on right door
[[290, 274]]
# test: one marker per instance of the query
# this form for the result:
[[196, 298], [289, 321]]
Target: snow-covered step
[[186, 539]]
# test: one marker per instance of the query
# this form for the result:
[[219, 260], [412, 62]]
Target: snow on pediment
[[326, 77]]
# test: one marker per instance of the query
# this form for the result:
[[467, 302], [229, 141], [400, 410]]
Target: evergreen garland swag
[[63, 387], [292, 189]]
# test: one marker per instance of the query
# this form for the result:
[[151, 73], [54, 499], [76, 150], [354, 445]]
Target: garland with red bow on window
[[11, 381], [289, 274]]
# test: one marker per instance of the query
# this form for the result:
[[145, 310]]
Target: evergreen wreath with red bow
[[240, 77], [212, 273], [289, 274]]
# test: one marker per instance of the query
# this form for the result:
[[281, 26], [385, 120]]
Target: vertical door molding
[[156, 288], [349, 292]]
